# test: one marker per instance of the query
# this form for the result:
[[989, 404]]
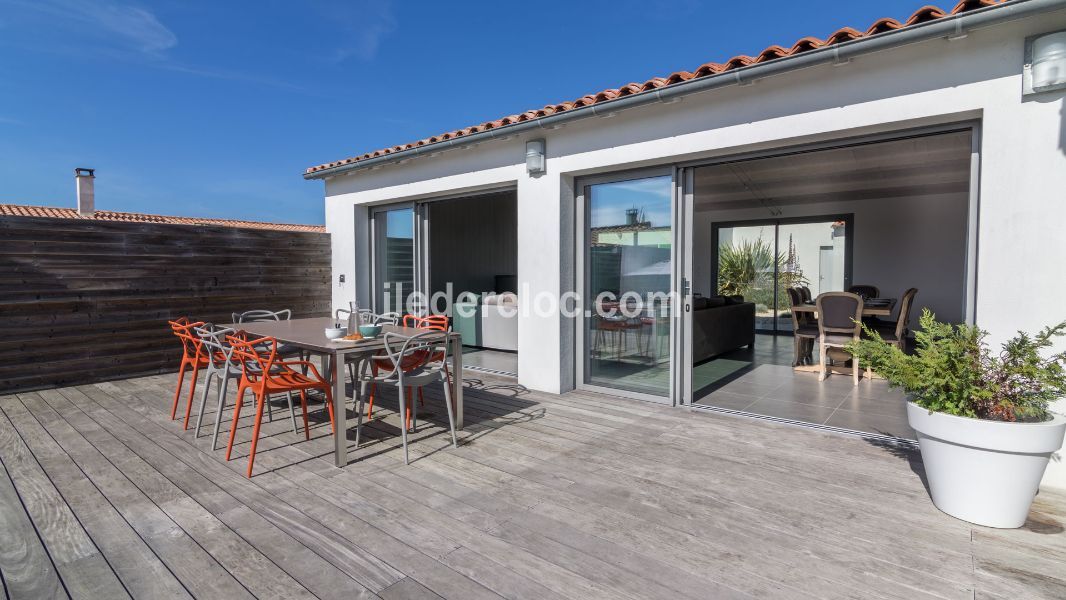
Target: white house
[[919, 149]]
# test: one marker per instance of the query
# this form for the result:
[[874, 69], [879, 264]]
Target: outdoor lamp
[[1045, 63], [535, 157]]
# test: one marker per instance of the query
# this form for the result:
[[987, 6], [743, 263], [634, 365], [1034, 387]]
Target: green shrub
[[747, 269], [954, 372]]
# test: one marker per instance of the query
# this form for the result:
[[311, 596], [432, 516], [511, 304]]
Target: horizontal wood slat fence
[[84, 301]]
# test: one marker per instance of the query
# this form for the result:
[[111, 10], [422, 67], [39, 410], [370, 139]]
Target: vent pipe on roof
[[86, 196]]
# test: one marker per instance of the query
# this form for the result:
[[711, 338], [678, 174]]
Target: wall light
[[1045, 63], [535, 160]]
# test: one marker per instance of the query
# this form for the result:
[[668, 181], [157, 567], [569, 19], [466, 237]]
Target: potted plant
[[982, 419]]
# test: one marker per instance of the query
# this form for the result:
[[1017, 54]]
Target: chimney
[[86, 201]]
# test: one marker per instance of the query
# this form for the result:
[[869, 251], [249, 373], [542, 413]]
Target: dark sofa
[[721, 324]]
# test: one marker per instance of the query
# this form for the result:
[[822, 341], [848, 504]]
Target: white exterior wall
[[1022, 177]]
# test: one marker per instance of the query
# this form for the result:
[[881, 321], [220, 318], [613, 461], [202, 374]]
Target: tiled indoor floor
[[770, 387]]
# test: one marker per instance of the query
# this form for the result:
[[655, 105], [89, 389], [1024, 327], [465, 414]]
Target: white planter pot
[[984, 472]]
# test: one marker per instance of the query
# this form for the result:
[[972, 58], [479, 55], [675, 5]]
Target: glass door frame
[[849, 241], [582, 218], [419, 254]]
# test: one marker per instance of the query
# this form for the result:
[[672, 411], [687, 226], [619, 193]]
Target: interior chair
[[804, 329], [896, 333], [866, 291], [191, 356], [806, 292], [264, 374], [416, 361], [839, 324]]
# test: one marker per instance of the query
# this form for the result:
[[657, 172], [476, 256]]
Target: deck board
[[26, 568], [548, 497]]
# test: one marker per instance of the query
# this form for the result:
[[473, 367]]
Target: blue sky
[[214, 109]]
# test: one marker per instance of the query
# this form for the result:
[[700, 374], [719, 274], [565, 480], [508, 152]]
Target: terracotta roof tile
[[51, 212], [846, 34]]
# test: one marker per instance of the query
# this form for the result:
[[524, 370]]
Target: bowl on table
[[333, 333], [370, 331]]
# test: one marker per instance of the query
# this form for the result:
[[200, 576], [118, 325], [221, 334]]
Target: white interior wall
[[917, 241]]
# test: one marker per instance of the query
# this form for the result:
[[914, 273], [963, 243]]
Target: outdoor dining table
[[309, 334]]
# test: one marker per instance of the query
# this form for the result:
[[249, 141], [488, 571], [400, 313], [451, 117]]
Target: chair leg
[[218, 411], [270, 410], [448, 377], [797, 357], [359, 415], [199, 416], [421, 399], [303, 403], [203, 404], [255, 433], [236, 417], [451, 415], [177, 390], [373, 389], [414, 412], [329, 409], [192, 393], [824, 357], [403, 429], [292, 413], [407, 413]]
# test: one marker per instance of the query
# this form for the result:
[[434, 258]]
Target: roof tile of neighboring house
[[922, 15], [18, 210]]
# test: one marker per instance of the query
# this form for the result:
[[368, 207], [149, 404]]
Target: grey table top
[[310, 334]]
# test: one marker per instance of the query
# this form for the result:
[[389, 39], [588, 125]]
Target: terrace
[[547, 496]]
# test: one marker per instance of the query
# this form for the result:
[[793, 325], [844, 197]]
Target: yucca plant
[[747, 269], [953, 370]]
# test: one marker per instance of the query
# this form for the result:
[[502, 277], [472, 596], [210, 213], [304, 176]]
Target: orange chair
[[382, 361], [192, 356], [264, 374]]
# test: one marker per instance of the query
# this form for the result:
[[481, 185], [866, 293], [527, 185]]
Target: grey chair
[[804, 329], [839, 324], [260, 315], [343, 314], [866, 291], [221, 365], [416, 361], [368, 316]]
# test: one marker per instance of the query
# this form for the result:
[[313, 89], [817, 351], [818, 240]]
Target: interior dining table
[[309, 334], [875, 307]]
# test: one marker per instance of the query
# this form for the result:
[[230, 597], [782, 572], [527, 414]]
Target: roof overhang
[[952, 26]]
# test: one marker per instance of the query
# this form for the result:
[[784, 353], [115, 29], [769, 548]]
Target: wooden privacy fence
[[84, 300]]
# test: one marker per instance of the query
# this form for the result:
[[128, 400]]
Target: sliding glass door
[[628, 247], [394, 257], [760, 260]]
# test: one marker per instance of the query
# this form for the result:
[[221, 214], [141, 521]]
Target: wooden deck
[[577, 496]]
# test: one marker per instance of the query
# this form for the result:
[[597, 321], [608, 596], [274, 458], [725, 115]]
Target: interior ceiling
[[934, 164]]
